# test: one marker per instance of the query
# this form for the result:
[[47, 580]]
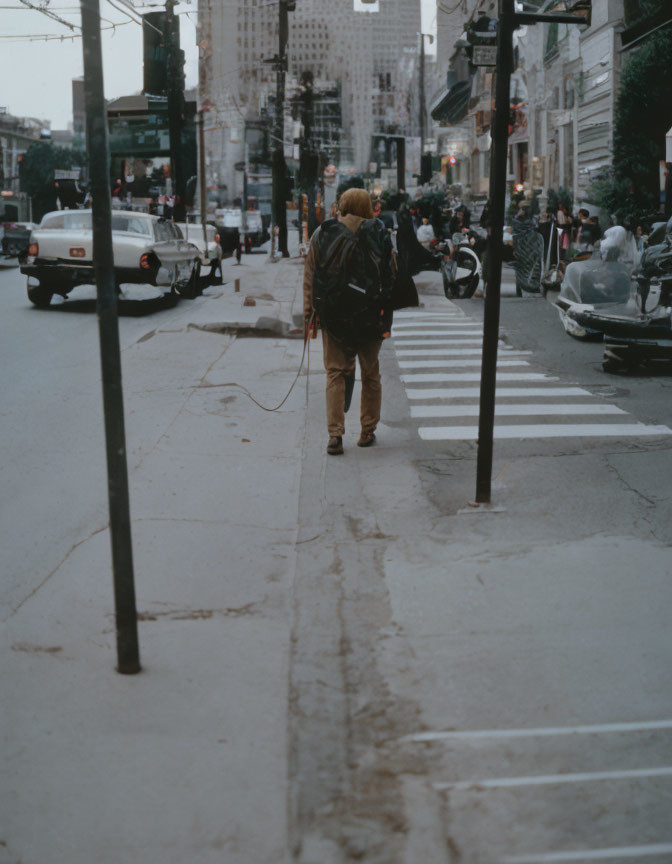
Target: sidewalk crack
[[58, 566]]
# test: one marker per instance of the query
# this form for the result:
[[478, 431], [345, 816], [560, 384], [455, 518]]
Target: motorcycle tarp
[[528, 246], [596, 282]]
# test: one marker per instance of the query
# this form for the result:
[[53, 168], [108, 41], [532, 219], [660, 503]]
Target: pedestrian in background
[[564, 223], [216, 256], [351, 332], [426, 233]]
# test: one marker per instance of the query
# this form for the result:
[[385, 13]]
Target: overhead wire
[[124, 12], [49, 14], [135, 11], [51, 37]]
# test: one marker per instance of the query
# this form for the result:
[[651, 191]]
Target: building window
[[551, 50], [569, 93], [537, 132]]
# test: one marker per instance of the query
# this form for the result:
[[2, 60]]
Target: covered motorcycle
[[600, 283], [641, 330], [528, 248]]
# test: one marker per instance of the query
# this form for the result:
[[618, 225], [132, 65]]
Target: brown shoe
[[335, 445], [367, 439]]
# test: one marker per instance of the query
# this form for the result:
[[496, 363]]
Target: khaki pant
[[340, 362]]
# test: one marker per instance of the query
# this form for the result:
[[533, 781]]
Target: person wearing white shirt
[[426, 234]]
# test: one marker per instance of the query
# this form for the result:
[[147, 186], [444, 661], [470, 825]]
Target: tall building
[[454, 139], [370, 59], [564, 93]]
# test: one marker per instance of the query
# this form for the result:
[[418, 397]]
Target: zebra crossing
[[434, 349]]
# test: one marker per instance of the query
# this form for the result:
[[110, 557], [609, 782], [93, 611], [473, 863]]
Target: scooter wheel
[[470, 289]]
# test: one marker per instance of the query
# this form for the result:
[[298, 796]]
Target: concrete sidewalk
[[187, 761], [304, 621]]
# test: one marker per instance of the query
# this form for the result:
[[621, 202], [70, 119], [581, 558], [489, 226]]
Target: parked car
[[147, 249], [16, 238], [193, 232]]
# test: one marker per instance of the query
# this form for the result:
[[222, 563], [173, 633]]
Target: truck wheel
[[40, 295]]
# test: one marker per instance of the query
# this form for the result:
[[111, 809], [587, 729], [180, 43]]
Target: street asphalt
[[343, 660]]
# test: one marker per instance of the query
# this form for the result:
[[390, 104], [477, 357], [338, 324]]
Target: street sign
[[485, 55]]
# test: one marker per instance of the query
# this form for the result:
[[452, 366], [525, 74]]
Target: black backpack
[[352, 284]]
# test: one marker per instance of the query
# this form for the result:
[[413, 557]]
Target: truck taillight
[[34, 250], [77, 252], [144, 262]]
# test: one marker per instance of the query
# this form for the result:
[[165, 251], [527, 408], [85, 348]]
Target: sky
[[35, 76]]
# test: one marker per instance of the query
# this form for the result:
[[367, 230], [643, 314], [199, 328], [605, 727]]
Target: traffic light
[[155, 74]]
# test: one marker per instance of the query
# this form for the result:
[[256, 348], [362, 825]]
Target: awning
[[453, 104]]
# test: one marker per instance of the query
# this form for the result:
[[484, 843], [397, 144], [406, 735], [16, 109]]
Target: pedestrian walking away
[[348, 285]]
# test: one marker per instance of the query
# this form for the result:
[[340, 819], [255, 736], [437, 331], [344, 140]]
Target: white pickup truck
[[146, 249]]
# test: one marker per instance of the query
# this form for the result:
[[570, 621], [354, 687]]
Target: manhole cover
[[609, 391]]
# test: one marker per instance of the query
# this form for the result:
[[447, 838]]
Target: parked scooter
[[461, 266], [643, 334], [601, 283]]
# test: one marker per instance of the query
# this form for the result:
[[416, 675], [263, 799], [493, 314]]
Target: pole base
[[129, 668]]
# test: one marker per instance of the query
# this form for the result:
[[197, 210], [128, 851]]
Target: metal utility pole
[[117, 472], [308, 157], [566, 12], [498, 159], [175, 62], [279, 200], [401, 163], [201, 179], [423, 108], [246, 179]]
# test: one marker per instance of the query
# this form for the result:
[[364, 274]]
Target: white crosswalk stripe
[[535, 401], [455, 331], [453, 342], [456, 363], [430, 377], [514, 410], [550, 430], [409, 315], [455, 352], [444, 325], [502, 392]]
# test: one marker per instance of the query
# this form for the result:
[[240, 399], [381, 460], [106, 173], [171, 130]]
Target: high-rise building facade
[[370, 59]]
